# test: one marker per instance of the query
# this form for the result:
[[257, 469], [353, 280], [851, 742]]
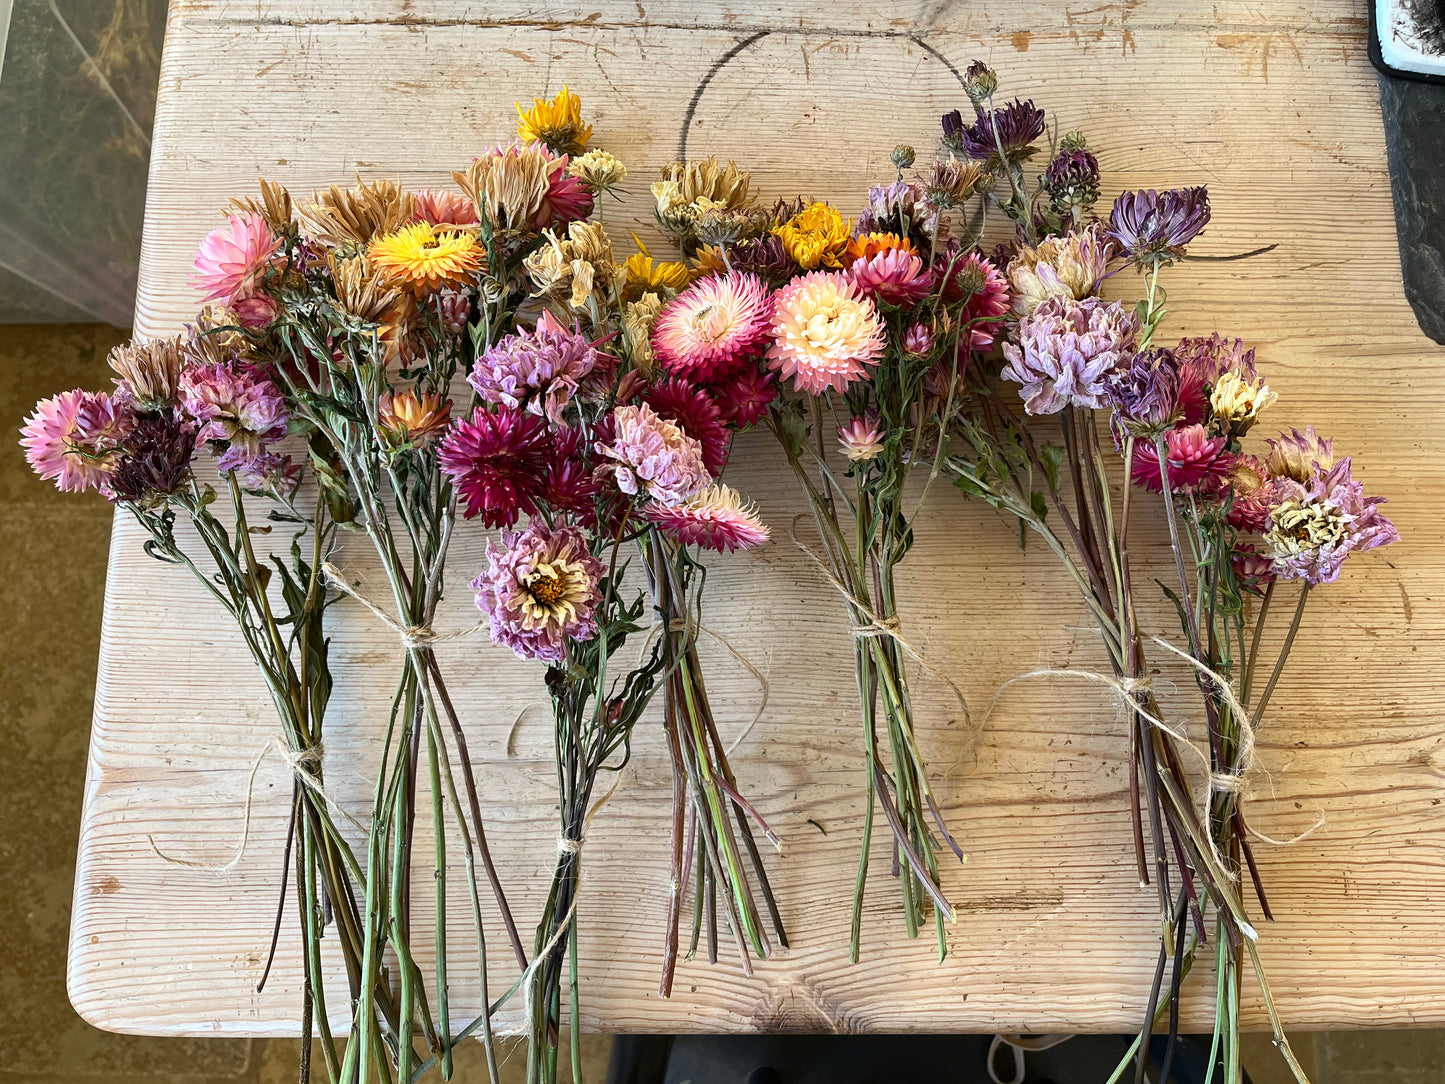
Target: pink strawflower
[[715, 518], [237, 407], [743, 399], [711, 328], [1253, 492], [58, 446], [1253, 571], [540, 589], [918, 339], [1314, 527], [233, 258], [442, 208], [678, 401], [1069, 351], [537, 371], [976, 281], [894, 276], [497, 461], [259, 310], [861, 438], [1194, 458], [653, 456], [825, 332]]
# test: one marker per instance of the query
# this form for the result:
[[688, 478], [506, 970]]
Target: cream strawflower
[[1071, 266], [1234, 399], [825, 332]]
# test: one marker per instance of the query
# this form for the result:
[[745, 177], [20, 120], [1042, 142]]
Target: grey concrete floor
[[52, 575]]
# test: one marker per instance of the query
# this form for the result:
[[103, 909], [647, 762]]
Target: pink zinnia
[[442, 208], [1194, 457], [541, 589], [497, 461], [825, 332], [234, 258], [709, 329], [715, 518], [743, 399], [538, 371], [56, 446], [894, 276], [653, 456]]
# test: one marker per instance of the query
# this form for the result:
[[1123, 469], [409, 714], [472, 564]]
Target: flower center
[[1302, 527], [547, 587]]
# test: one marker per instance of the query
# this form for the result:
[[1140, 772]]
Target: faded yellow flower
[[1234, 399], [641, 274], [689, 188], [598, 169], [510, 186], [557, 124], [638, 318], [350, 218], [1071, 266], [815, 237], [574, 268], [151, 370]]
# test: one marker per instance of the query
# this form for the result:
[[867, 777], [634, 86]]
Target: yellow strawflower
[[816, 236], [557, 124], [421, 257]]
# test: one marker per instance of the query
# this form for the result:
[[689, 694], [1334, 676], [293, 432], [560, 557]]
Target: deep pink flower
[[569, 486], [497, 461], [567, 199], [978, 283], [698, 416], [540, 589], [538, 371], [1194, 457], [743, 399], [715, 518], [234, 258], [708, 331], [1253, 571], [894, 276]]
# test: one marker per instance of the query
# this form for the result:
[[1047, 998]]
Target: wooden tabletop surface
[[1276, 112]]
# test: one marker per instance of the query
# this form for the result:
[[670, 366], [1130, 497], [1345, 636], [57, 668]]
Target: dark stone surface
[[1414, 114]]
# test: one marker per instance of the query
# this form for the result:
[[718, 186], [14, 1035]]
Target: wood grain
[[1276, 112]]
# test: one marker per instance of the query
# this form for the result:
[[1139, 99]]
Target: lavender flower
[[540, 589], [654, 456], [1068, 351], [1314, 527], [537, 371], [1144, 393], [1014, 127], [1211, 358], [236, 407], [1153, 227]]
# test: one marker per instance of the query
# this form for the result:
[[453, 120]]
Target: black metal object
[[1414, 118]]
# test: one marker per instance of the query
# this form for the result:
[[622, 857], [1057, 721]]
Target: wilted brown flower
[[408, 419], [150, 371], [689, 188], [349, 218], [952, 180], [637, 320], [510, 188], [575, 268], [275, 207], [361, 289]]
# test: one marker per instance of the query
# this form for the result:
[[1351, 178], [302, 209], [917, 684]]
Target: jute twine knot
[[413, 637]]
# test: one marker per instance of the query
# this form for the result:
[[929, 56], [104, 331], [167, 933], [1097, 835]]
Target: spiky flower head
[[903, 157], [680, 401], [156, 458], [689, 188], [406, 419], [1193, 456], [979, 82], [743, 399], [348, 218], [1300, 456], [713, 326], [1072, 182], [1068, 351], [816, 236], [538, 371], [894, 276], [1314, 527], [1213, 356], [974, 280], [233, 259], [497, 461], [422, 258], [651, 456], [1069, 266], [541, 589], [861, 438], [951, 181], [65, 440], [524, 188], [1002, 136], [1152, 228], [557, 123], [1144, 393], [149, 372], [825, 332], [715, 518]]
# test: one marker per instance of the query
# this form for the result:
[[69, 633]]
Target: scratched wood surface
[[1276, 112]]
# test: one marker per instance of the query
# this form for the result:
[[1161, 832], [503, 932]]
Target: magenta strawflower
[[652, 456], [825, 332], [893, 277], [1069, 351], [743, 399], [715, 518], [1313, 528], [1253, 571], [538, 371], [497, 461], [56, 446], [678, 401], [233, 258], [236, 407], [567, 199], [1194, 458], [711, 328], [540, 589], [977, 281]]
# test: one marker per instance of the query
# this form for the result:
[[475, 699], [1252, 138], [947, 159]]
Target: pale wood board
[[1276, 112]]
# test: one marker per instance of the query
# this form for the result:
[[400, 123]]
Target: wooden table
[[1277, 113]]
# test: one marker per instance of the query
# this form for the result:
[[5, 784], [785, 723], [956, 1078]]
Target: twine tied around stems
[[412, 636], [874, 626], [303, 764]]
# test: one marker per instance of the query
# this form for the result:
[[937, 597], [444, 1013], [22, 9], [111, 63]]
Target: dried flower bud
[[1073, 141], [952, 180], [953, 131], [979, 82], [903, 157], [599, 169]]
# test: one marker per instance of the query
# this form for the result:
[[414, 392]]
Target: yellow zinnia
[[816, 236], [422, 257], [557, 124]]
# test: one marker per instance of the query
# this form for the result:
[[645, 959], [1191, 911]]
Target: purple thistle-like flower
[[1144, 393], [1153, 227], [1211, 358], [540, 589], [1068, 351], [537, 371], [156, 457], [1314, 527], [237, 407], [1014, 126], [1072, 180]]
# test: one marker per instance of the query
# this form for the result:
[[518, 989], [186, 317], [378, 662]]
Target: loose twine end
[[412, 637]]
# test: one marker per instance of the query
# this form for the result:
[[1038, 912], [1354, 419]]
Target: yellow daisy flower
[[641, 275], [556, 124], [422, 257], [816, 236]]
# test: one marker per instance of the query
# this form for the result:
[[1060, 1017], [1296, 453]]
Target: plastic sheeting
[[77, 97]]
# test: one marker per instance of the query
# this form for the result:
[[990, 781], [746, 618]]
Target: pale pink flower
[[60, 446], [653, 456], [894, 276], [825, 332], [716, 518], [233, 258], [709, 329], [861, 439]]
